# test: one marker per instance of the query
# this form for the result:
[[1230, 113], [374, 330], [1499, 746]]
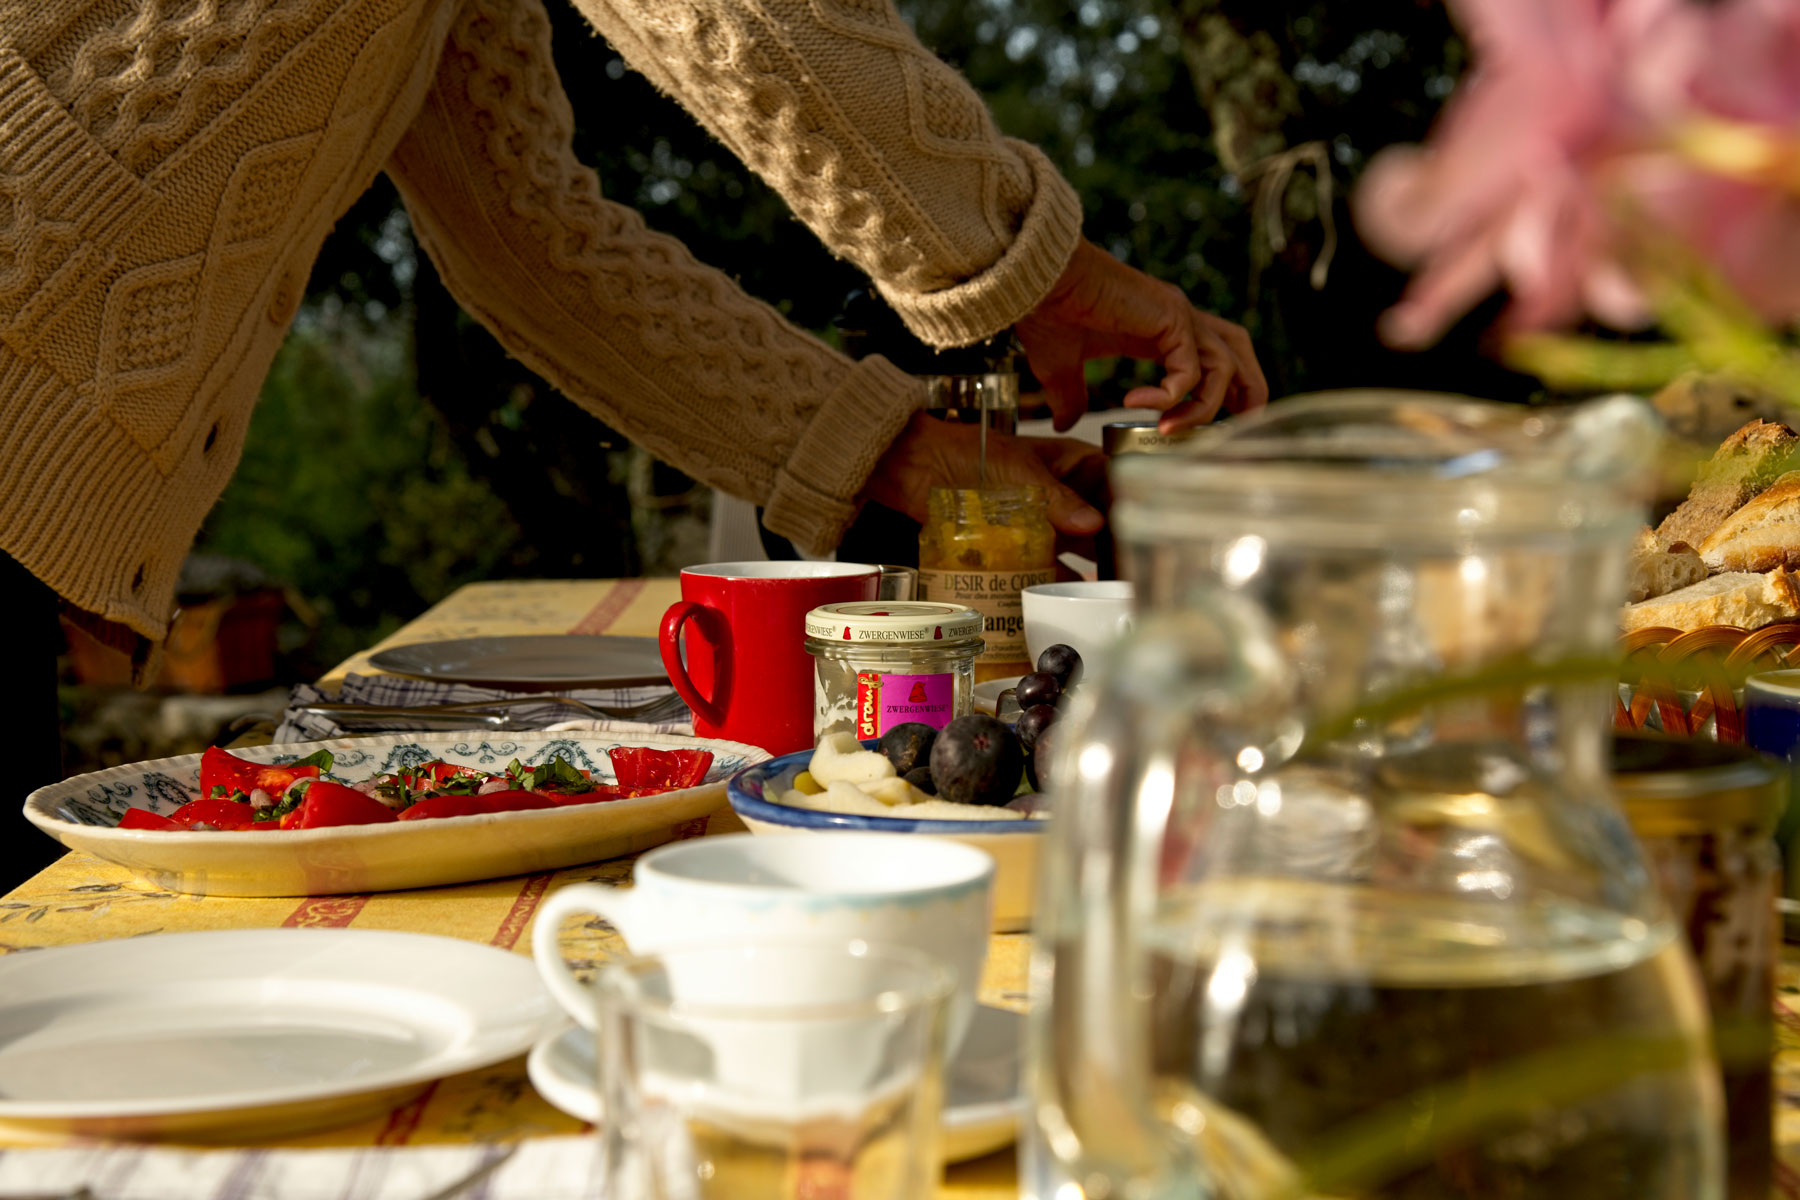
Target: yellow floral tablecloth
[[80, 899]]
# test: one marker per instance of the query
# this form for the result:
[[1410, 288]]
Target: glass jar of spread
[[883, 663], [982, 547], [1706, 815]]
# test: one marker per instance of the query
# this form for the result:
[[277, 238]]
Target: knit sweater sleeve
[[624, 320], [882, 149]]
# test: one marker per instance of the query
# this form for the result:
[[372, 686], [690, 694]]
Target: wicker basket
[[1691, 684]]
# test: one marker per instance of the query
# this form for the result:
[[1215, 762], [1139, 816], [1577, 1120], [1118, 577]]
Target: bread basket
[[1691, 684]]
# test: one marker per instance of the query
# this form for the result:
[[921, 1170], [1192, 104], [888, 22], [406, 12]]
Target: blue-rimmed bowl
[[1013, 844]]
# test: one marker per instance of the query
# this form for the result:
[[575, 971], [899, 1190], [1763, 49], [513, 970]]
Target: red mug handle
[[669, 643]]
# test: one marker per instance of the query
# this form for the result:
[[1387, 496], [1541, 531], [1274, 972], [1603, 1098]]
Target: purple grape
[[1063, 662], [1037, 688], [1032, 723]]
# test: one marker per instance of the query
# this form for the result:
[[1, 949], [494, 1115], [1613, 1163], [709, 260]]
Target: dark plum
[[1063, 662], [977, 760], [1032, 723], [1037, 767], [920, 777], [908, 746], [1039, 687]]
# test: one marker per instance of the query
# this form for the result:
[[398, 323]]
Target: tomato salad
[[237, 794]]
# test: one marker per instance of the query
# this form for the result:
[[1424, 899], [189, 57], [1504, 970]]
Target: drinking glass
[[824, 1078]]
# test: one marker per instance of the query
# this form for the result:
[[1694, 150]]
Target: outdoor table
[[80, 898]]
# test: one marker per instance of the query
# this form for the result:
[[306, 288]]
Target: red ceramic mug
[[748, 676]]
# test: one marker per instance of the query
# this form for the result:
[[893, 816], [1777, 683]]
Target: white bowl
[[1012, 843], [1088, 614]]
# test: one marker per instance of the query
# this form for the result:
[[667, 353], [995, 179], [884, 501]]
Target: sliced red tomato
[[327, 804], [215, 811], [515, 799], [143, 818], [644, 767], [468, 806], [221, 768], [443, 806]]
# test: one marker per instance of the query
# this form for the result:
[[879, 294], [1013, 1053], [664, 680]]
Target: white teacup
[[887, 889], [1088, 614]]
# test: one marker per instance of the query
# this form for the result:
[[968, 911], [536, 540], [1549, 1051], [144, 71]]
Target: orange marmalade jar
[[982, 547]]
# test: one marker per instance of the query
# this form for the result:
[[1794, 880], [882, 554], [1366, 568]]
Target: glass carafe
[[1335, 902]]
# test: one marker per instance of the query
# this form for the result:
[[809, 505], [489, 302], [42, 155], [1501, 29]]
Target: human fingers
[[1179, 347], [1252, 388], [1056, 356], [1065, 391], [1021, 461], [1220, 371]]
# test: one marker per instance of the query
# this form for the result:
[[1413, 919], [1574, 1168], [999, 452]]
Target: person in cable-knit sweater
[[169, 168]]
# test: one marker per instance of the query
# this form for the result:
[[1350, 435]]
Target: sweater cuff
[[816, 492], [979, 308]]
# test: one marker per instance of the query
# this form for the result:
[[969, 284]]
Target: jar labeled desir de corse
[[982, 547]]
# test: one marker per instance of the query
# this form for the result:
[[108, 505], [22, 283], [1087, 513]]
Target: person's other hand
[[932, 453], [1100, 308]]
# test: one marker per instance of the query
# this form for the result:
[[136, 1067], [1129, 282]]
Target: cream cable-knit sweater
[[168, 169]]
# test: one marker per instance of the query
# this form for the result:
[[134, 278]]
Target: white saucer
[[982, 1104]]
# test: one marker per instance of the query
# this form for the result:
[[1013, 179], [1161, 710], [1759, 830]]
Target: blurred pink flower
[[1572, 116]]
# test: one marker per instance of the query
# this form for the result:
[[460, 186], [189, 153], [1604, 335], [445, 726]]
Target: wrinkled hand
[[931, 453], [1100, 308]]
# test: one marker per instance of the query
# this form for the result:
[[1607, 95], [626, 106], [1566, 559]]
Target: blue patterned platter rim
[[746, 789], [100, 799]]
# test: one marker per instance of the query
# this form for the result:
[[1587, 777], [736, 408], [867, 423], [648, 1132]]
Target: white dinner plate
[[983, 1100], [528, 661], [987, 695], [244, 1034], [83, 814]]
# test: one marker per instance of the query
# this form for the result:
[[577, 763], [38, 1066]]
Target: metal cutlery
[[498, 714]]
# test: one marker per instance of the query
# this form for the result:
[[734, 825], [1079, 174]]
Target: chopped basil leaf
[[559, 771], [456, 785], [318, 758], [288, 804]]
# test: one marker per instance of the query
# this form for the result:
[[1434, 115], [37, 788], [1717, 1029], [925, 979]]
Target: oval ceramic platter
[[83, 814]]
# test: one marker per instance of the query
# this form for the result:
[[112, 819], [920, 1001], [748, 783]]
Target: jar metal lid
[[898, 622], [1139, 437], [1674, 786]]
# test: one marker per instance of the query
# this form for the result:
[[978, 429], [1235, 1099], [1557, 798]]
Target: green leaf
[[287, 804]]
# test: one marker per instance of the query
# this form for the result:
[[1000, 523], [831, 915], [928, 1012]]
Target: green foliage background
[[397, 453]]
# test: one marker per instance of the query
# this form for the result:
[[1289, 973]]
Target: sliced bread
[[1746, 599], [1744, 464], [1762, 535], [1657, 570]]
